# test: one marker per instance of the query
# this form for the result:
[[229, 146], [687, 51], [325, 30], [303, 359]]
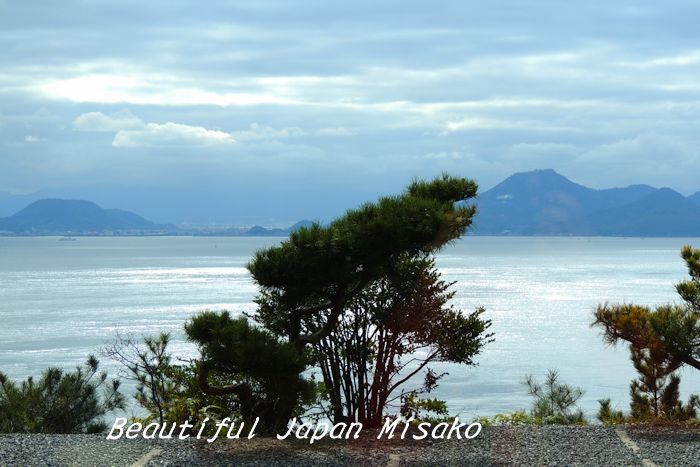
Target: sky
[[273, 111]]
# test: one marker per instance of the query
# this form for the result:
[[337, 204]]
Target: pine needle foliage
[[661, 340], [554, 402], [59, 401], [311, 277], [264, 373], [675, 327]]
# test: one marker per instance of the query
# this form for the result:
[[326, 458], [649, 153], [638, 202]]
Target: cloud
[[336, 131], [170, 134], [652, 158], [261, 132], [648, 152], [688, 58], [478, 123], [142, 88], [605, 93], [99, 122], [32, 139], [131, 132]]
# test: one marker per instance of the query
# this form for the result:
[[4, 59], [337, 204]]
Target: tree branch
[[688, 360], [427, 360], [204, 369]]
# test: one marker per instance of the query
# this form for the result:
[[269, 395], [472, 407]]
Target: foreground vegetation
[[660, 341], [59, 402]]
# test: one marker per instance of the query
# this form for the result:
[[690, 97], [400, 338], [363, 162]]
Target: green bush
[[261, 372], [59, 402], [555, 402], [607, 415], [166, 387], [424, 410]]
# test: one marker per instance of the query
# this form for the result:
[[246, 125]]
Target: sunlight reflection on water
[[60, 302]]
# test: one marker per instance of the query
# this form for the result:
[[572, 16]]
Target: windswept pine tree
[[314, 275], [320, 269]]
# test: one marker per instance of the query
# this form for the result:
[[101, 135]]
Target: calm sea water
[[60, 301]]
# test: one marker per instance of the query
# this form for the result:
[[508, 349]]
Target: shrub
[[262, 373], [168, 391], [555, 402], [607, 415], [424, 410], [59, 402]]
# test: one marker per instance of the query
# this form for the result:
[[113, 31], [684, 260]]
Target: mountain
[[259, 231], [60, 216], [663, 213], [539, 202], [543, 202]]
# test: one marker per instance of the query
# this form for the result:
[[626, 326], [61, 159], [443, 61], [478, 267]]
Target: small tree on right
[[678, 327], [661, 341]]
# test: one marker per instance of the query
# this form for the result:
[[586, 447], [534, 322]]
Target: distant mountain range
[[77, 217], [60, 216], [255, 231], [541, 202]]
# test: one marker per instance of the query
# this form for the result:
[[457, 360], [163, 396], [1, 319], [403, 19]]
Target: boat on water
[[67, 239]]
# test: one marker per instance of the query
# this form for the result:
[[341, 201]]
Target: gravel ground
[[523, 445], [665, 446], [263, 452], [69, 450], [497, 446]]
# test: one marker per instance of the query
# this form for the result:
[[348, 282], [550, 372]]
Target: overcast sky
[[271, 111]]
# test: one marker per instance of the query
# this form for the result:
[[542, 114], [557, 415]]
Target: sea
[[62, 300]]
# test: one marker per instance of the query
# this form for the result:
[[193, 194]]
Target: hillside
[[260, 231], [538, 202], [543, 202], [58, 217], [663, 213]]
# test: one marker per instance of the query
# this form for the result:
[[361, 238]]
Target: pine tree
[[59, 401], [313, 276], [661, 340], [654, 394], [677, 327]]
